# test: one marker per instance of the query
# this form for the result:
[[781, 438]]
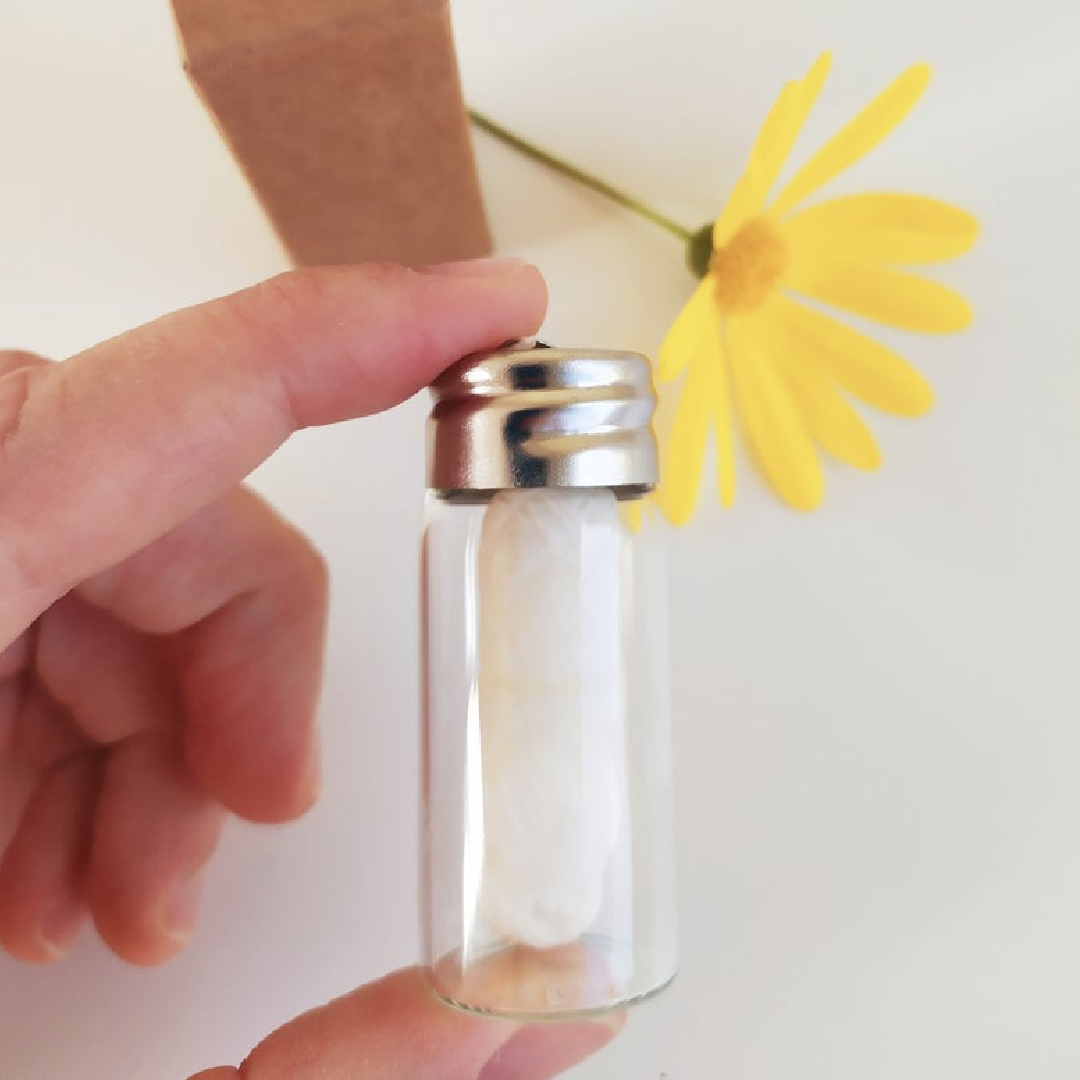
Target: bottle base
[[531, 985]]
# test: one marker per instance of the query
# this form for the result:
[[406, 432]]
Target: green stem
[[595, 183]]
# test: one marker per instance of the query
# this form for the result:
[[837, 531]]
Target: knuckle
[[311, 569], [293, 297], [17, 391], [300, 292], [275, 314], [293, 293], [30, 395], [294, 559], [314, 320], [13, 359]]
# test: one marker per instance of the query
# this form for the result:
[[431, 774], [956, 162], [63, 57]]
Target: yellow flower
[[744, 344]]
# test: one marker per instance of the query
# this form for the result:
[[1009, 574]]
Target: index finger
[[105, 453]]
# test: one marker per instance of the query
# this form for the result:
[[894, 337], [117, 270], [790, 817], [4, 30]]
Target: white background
[[877, 706]]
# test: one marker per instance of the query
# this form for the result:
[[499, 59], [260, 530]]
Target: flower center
[[747, 267]]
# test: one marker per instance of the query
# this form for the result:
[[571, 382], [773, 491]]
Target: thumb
[[394, 1029]]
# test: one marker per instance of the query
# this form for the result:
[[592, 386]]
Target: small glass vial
[[548, 832]]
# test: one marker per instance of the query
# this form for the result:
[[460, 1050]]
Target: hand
[[395, 1030], [160, 627]]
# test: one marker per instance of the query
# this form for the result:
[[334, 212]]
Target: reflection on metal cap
[[527, 416]]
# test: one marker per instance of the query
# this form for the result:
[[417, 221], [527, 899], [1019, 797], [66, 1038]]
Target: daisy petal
[[631, 515], [885, 296], [858, 138], [720, 402], [668, 397], [880, 229], [771, 150], [694, 333], [682, 457], [863, 367], [832, 422], [775, 430]]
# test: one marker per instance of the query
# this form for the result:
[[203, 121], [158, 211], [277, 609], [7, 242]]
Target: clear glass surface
[[548, 842]]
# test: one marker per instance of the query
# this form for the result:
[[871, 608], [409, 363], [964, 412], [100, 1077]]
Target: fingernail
[[546, 1050], [181, 908], [59, 928], [475, 268]]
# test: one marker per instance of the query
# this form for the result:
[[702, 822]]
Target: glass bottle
[[548, 833]]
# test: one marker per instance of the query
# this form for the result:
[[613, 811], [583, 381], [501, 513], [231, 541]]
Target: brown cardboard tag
[[347, 119]]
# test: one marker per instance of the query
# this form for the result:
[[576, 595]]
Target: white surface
[[877, 706]]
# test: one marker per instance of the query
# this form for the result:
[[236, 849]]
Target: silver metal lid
[[528, 416]]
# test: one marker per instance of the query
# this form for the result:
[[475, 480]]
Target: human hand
[[395, 1030], [160, 627]]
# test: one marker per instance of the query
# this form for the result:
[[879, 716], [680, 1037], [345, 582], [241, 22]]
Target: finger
[[154, 832], [169, 417], [15, 658], [110, 678], [42, 732], [41, 876], [394, 1028], [540, 1053], [14, 661], [12, 693], [244, 596], [18, 782]]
